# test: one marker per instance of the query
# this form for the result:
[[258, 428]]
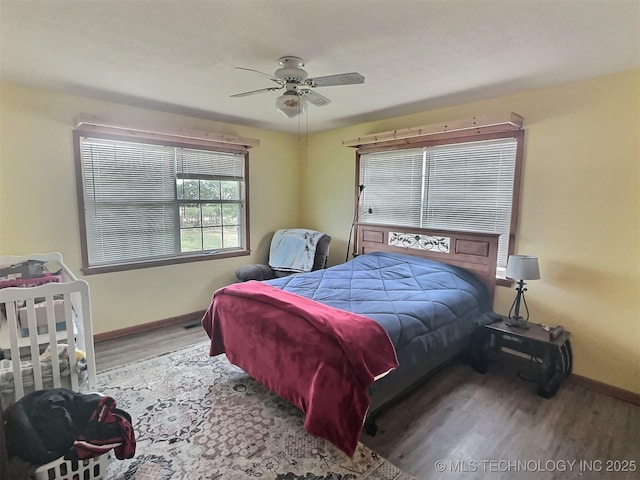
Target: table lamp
[[521, 268]]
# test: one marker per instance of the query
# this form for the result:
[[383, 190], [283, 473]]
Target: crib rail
[[47, 315]]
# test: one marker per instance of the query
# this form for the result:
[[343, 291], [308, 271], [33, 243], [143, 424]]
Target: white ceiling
[[415, 55]]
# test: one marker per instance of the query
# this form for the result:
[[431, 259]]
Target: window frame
[[184, 202], [424, 142], [158, 139]]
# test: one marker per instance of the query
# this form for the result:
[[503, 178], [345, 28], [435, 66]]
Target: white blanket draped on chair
[[293, 250]]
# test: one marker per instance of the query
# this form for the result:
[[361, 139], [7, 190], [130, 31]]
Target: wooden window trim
[[489, 123], [116, 133], [193, 138], [91, 270]]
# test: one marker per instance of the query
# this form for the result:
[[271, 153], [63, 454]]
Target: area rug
[[198, 417]]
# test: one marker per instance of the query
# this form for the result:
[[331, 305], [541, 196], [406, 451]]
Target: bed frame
[[474, 251]]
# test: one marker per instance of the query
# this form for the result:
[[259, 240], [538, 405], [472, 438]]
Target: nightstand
[[552, 359]]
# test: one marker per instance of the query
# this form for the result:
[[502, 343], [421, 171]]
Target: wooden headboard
[[473, 251]]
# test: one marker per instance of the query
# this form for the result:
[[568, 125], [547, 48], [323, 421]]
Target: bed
[[344, 342]]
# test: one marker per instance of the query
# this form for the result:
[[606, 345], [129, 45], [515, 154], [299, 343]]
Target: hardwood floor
[[464, 425], [124, 350], [494, 426]]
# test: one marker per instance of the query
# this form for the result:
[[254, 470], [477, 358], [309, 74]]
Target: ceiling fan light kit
[[290, 104], [298, 87]]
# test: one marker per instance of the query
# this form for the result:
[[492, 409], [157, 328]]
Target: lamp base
[[517, 323]]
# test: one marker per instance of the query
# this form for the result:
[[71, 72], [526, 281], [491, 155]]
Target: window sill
[[501, 277], [93, 270]]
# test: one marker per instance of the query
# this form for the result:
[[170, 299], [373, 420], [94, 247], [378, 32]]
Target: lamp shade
[[290, 104], [523, 267]]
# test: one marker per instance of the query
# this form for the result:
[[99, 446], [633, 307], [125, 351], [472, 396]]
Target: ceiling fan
[[298, 87]]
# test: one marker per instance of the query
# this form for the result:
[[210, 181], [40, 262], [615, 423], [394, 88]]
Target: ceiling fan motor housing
[[291, 71]]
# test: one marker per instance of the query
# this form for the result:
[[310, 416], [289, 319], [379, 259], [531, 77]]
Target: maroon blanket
[[319, 358]]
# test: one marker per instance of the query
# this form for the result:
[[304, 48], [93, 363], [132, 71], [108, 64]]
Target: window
[[210, 203], [470, 184], [151, 203]]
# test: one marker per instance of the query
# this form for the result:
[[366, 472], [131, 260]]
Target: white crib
[[67, 321], [46, 341]]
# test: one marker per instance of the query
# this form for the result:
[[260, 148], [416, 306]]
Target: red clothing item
[[109, 428]]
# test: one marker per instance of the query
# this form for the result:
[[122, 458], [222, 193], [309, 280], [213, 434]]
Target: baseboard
[[145, 327], [610, 390]]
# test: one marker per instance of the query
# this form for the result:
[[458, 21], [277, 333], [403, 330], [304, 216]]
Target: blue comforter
[[422, 304]]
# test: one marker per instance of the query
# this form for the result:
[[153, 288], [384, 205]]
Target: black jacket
[[47, 424]]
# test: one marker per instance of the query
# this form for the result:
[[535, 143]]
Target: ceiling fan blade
[[252, 92], [339, 79], [271, 77], [315, 98]]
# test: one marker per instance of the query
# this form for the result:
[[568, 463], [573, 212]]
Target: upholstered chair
[[291, 251]]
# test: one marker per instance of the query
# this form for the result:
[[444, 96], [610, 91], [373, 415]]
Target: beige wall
[[39, 203], [580, 211], [1, 155]]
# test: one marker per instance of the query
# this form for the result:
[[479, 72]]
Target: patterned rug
[[198, 417]]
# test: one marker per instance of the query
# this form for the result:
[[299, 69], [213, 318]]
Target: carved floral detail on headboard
[[420, 242]]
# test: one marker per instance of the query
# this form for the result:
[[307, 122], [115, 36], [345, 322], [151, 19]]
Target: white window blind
[[210, 163], [393, 187], [461, 186], [132, 210]]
